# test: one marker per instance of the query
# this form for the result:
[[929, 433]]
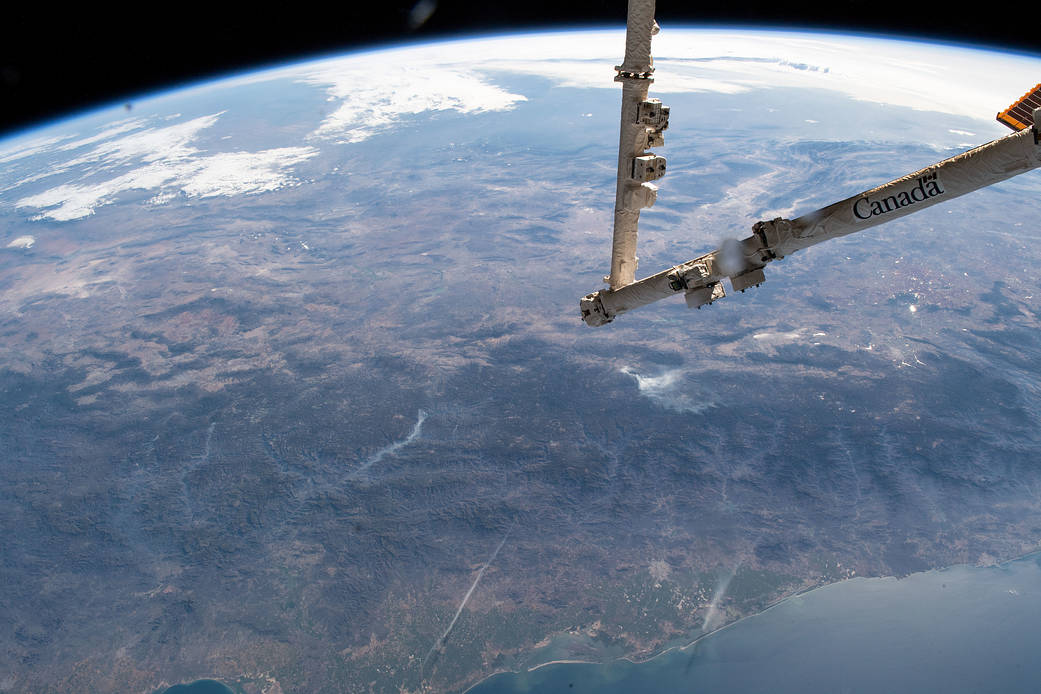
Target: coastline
[[665, 651], [796, 594]]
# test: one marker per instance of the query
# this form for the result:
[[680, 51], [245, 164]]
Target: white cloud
[[172, 166], [173, 142], [22, 242], [242, 173], [111, 131], [18, 148], [372, 101], [230, 173]]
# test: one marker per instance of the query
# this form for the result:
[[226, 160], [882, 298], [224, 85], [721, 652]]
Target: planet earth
[[295, 394]]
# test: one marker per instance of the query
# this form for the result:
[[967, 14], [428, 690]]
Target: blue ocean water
[[962, 629]]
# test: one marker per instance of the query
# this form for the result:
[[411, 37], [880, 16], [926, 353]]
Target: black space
[[54, 62]]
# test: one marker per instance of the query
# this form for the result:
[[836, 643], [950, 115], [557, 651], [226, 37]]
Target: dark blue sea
[[957, 630]]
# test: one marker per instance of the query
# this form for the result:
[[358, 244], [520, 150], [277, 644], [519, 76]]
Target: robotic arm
[[643, 121]]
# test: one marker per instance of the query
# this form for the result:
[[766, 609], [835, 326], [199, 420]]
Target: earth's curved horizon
[[295, 394]]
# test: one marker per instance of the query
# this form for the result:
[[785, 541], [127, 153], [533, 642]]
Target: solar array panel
[[1020, 115]]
